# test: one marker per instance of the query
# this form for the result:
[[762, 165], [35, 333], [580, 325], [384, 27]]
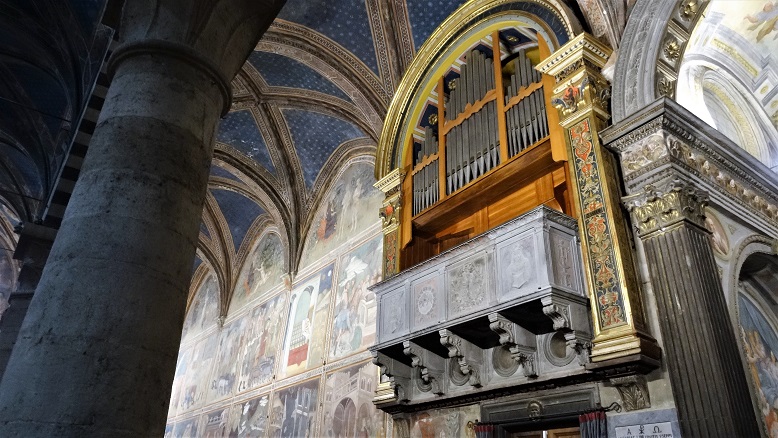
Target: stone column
[[701, 350], [33, 250], [672, 164], [581, 96], [96, 354]]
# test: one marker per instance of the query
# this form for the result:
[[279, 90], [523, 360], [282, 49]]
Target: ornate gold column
[[390, 219], [581, 96]]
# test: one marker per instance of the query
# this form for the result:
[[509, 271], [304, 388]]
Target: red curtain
[[593, 425]]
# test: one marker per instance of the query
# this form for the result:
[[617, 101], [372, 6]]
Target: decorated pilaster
[[581, 96], [390, 220]]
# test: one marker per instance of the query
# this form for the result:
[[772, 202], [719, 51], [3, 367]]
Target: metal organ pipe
[[527, 121]]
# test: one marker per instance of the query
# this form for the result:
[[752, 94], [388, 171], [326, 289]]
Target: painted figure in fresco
[[759, 344], [767, 19], [328, 222], [301, 328]]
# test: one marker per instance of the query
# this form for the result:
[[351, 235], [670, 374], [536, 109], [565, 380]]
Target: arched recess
[[472, 21], [713, 94], [756, 321], [651, 52]]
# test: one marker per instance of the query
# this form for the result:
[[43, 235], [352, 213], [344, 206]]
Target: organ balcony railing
[[488, 136]]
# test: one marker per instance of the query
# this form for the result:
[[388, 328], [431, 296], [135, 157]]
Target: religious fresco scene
[[349, 207], [272, 334], [263, 270], [760, 343]]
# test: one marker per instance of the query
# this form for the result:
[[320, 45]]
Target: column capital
[[658, 208], [580, 85]]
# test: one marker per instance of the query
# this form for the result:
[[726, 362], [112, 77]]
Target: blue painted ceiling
[[344, 21], [316, 136], [281, 71], [239, 130], [239, 212], [426, 15]]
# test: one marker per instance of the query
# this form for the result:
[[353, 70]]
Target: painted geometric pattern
[[602, 256]]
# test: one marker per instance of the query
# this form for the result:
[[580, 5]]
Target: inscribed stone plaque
[[653, 430]]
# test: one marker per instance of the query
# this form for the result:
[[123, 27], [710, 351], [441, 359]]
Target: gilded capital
[[655, 209], [580, 85]]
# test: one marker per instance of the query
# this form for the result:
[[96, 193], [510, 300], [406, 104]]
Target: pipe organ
[[471, 126]]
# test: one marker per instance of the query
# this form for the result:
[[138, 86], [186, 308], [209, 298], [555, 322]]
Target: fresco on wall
[[350, 207], [214, 424], [225, 373], [264, 331], [203, 311], [294, 410], [761, 346], [249, 418], [186, 429], [192, 372], [444, 423], [262, 271], [354, 317], [348, 403], [306, 328]]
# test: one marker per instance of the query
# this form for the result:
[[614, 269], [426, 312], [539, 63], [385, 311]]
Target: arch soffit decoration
[[464, 20], [651, 52]]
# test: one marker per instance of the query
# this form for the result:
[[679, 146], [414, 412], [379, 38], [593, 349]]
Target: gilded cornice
[[656, 209], [583, 50]]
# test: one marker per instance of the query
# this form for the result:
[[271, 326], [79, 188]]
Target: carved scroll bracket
[[466, 356], [395, 385], [427, 366], [520, 342]]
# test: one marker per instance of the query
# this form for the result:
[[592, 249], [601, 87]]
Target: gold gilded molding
[[430, 54], [581, 97], [656, 210]]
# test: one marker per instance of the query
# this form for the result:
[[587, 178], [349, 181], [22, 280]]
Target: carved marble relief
[[517, 268], [564, 261], [393, 315], [468, 285], [428, 304]]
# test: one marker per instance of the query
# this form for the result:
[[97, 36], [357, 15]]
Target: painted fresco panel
[[226, 369], [262, 271], [354, 322], [203, 311], [186, 429], [350, 207], [194, 370], [306, 330], [264, 331], [760, 343], [294, 410], [444, 423], [348, 403], [249, 418], [214, 424]]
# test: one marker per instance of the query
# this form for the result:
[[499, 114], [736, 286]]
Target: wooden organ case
[[486, 149]]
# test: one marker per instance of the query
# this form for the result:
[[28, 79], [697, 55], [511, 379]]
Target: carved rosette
[[390, 220], [581, 97], [655, 209]]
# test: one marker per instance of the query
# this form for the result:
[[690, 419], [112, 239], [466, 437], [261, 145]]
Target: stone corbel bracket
[[570, 318], [398, 377], [521, 343], [633, 391], [428, 368], [464, 355]]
